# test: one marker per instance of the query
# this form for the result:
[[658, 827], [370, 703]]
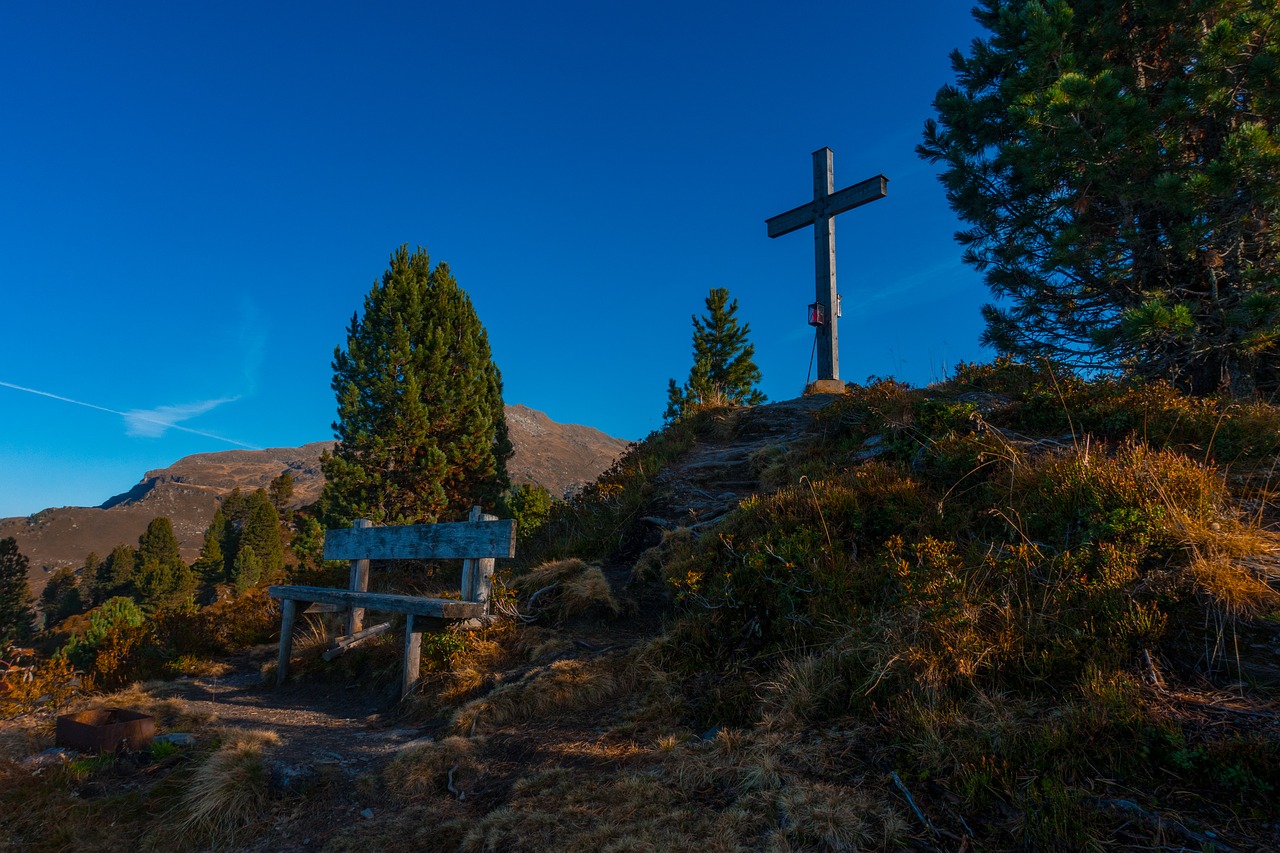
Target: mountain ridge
[[560, 457]]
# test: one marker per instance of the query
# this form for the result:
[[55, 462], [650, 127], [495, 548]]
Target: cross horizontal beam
[[838, 202]]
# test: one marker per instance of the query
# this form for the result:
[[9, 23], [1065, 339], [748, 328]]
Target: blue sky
[[194, 198]]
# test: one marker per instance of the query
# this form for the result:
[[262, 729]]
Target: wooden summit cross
[[821, 213]]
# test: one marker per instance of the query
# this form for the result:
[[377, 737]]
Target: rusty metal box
[[105, 730]]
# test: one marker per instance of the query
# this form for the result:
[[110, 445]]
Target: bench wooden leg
[[359, 582], [412, 656], [288, 613]]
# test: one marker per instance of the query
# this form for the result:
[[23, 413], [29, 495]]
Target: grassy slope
[[1017, 611]]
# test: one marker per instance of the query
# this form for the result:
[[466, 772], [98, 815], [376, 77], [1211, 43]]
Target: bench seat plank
[[454, 540], [440, 608]]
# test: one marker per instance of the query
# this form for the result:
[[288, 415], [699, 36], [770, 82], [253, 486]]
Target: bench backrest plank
[[456, 540]]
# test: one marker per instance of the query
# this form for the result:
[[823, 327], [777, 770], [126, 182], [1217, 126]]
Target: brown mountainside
[[560, 457]]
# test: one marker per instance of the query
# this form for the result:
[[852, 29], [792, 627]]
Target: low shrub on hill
[[1003, 605], [601, 520]]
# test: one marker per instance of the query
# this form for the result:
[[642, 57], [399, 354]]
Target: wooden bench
[[477, 542]]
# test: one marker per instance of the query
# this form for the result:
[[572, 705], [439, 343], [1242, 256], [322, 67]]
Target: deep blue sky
[[194, 198]]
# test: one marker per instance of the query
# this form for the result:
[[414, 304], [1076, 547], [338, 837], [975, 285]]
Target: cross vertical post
[[821, 214], [824, 259]]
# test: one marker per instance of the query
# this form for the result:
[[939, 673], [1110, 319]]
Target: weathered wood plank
[[288, 613], [482, 583], [439, 608], [342, 645], [412, 657], [452, 541], [827, 351], [359, 581], [863, 192], [348, 639], [469, 564], [792, 220], [323, 608]]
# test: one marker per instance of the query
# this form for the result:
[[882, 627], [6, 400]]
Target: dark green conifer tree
[[723, 372], [261, 533], [88, 577], [114, 575], [248, 568], [60, 597], [16, 618], [421, 429], [235, 508], [530, 505], [1118, 165], [161, 578], [210, 567], [280, 491]]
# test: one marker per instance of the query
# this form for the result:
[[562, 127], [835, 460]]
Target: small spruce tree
[[60, 597], [261, 533], [210, 567], [16, 618], [161, 578], [88, 577], [530, 505], [723, 372], [114, 575], [248, 568]]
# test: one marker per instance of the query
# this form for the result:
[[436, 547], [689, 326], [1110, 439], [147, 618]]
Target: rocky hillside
[[560, 457]]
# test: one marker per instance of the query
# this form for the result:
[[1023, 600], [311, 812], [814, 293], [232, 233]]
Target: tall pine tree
[[161, 578], [16, 617], [421, 430], [210, 567], [261, 534], [723, 372], [114, 575], [1118, 165]]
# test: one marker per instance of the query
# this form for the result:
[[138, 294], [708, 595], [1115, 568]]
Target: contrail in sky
[[131, 418]]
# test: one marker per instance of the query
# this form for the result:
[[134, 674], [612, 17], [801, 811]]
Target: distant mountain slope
[[557, 456]]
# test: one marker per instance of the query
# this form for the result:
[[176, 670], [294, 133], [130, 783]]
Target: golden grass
[[427, 768], [228, 790], [622, 811], [656, 563], [565, 686], [23, 737], [567, 589], [171, 713]]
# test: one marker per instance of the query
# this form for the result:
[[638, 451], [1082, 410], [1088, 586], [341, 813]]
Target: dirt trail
[[718, 474], [318, 723]]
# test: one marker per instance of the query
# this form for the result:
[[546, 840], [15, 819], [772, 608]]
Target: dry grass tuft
[[626, 811], [229, 790], [21, 738], [658, 562], [841, 818], [428, 768], [1232, 586], [311, 637], [565, 686], [567, 589], [171, 713], [585, 593], [547, 574]]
